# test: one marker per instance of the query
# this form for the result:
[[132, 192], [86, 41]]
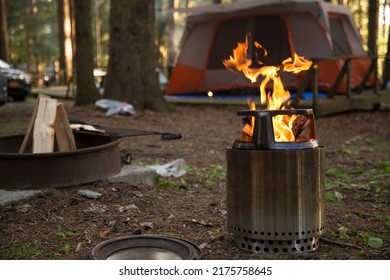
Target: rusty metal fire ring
[[96, 158], [146, 247]]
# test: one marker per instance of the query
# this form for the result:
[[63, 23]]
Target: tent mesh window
[[262, 30], [339, 38]]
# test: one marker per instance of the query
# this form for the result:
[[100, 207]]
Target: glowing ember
[[248, 128], [278, 97]]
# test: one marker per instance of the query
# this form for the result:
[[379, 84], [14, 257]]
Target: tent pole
[[348, 77], [305, 83], [315, 85], [375, 61], [339, 79], [372, 69]]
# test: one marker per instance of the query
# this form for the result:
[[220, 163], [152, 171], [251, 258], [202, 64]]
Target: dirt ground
[[62, 224]]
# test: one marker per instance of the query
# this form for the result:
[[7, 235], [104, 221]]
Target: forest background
[[39, 36]]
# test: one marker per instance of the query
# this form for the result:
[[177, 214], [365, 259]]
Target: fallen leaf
[[375, 242], [147, 225], [203, 223], [78, 247], [24, 208], [131, 207], [104, 232], [88, 235]]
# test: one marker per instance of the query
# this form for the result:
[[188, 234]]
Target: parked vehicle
[[3, 89], [18, 81], [101, 75]]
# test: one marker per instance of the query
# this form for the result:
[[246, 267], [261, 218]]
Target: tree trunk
[[4, 47], [171, 37], [29, 43], [86, 90], [131, 74], [65, 41], [373, 10], [386, 63], [384, 18], [359, 22], [61, 42], [69, 43], [96, 4]]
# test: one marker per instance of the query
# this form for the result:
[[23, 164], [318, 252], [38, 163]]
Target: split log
[[43, 132], [26, 146], [247, 130], [49, 119], [299, 125], [64, 135]]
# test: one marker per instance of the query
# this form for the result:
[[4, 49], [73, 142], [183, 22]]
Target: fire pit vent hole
[[279, 235], [281, 246]]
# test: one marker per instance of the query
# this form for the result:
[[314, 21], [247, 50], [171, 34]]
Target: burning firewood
[[247, 130], [278, 98], [299, 125]]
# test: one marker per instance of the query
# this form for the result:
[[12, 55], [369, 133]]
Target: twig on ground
[[341, 243]]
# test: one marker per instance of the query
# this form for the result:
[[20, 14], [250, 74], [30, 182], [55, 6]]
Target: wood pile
[[48, 128]]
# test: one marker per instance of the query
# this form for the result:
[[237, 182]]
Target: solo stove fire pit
[[275, 190]]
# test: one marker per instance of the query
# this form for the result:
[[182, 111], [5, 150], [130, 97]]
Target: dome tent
[[310, 28]]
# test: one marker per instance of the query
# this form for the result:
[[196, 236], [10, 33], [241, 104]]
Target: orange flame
[[278, 97]]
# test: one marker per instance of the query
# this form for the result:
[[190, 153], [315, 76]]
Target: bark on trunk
[[373, 10], [61, 43], [86, 89], [171, 37], [386, 64], [4, 47], [132, 75]]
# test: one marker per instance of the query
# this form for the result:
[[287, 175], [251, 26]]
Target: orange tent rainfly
[[314, 29]]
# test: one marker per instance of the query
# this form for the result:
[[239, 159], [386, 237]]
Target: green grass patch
[[209, 176], [65, 249], [335, 172], [23, 252], [63, 234], [333, 196]]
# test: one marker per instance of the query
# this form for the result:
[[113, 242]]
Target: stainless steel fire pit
[[275, 190]]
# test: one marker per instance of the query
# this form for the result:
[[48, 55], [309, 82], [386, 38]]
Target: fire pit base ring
[[272, 247], [146, 247]]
